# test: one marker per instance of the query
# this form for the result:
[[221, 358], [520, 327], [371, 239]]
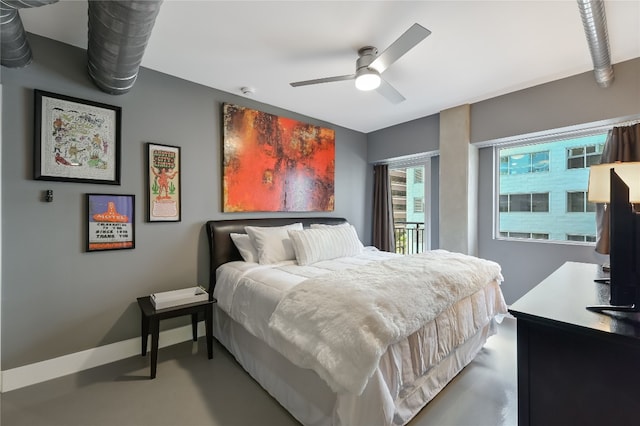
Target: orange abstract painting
[[274, 163]]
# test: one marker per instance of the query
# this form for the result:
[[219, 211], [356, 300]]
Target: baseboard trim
[[42, 371]]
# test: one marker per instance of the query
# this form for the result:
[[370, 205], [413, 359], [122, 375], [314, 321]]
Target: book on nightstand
[[167, 299]]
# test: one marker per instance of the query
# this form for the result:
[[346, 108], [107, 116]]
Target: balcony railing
[[409, 237]]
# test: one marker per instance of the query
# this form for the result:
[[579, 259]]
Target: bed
[[388, 386]]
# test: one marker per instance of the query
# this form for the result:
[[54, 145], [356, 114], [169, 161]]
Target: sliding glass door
[[409, 193]]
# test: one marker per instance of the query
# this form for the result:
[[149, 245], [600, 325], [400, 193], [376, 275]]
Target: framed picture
[[275, 164], [110, 222], [163, 185], [76, 140]]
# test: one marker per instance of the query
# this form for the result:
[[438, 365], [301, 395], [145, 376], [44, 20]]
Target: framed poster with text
[[110, 222], [163, 184]]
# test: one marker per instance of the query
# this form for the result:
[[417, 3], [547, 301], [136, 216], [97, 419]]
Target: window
[[519, 202], [531, 162], [525, 235], [409, 191], [418, 205], [538, 236], [551, 178], [417, 175], [584, 156], [581, 238], [577, 203], [524, 202]]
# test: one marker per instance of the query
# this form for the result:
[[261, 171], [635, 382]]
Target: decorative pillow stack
[[272, 243], [325, 243], [245, 247]]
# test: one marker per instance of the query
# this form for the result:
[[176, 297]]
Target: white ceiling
[[477, 49]]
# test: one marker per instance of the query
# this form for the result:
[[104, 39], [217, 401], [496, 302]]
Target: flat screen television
[[624, 250]]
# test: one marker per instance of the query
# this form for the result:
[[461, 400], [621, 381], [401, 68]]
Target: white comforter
[[340, 324], [249, 294]]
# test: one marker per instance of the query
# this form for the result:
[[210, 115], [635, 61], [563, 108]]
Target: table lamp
[[599, 181], [600, 186]]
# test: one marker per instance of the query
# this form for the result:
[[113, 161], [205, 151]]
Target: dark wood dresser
[[576, 367]]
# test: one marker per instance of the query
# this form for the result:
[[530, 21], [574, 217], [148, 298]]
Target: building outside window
[[524, 202], [408, 199], [543, 189], [582, 238], [577, 202], [417, 174], [418, 205], [525, 235], [584, 156], [531, 162]]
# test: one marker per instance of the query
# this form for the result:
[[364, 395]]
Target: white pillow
[[245, 247], [272, 242], [325, 243]]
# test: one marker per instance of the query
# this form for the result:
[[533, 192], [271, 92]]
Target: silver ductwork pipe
[[595, 28], [15, 51], [118, 36]]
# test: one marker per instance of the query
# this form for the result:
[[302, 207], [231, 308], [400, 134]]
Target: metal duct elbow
[[118, 36], [15, 51], [594, 21]]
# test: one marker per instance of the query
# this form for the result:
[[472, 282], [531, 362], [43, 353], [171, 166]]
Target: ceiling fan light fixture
[[367, 79]]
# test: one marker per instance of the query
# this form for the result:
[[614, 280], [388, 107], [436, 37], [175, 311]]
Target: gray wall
[[406, 139], [57, 299], [567, 102]]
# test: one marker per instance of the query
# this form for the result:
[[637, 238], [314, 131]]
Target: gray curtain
[[622, 144], [383, 236]]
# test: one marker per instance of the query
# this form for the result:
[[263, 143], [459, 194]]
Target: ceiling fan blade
[[323, 80], [402, 45], [389, 92]]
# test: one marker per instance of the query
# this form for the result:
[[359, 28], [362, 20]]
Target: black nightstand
[[151, 324]]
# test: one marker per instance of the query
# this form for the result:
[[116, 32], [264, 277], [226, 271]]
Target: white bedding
[[394, 395], [409, 373], [339, 324], [250, 292]]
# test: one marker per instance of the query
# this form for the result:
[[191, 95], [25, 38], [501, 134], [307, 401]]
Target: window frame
[[558, 135], [423, 161]]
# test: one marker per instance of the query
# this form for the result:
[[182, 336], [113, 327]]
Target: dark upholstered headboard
[[222, 249]]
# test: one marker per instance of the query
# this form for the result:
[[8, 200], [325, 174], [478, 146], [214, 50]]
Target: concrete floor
[[192, 390]]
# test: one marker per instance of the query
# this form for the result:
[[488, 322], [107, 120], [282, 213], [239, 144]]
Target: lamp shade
[[599, 177]]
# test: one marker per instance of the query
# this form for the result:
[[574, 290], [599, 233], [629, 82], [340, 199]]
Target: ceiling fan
[[370, 65]]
